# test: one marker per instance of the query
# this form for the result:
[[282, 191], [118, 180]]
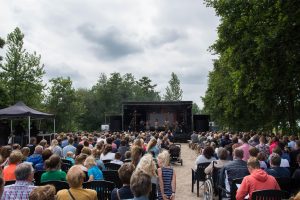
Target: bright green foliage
[[173, 91], [255, 83], [61, 101], [21, 73]]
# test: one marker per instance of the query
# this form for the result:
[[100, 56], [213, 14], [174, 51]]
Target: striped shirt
[[167, 176], [18, 191]]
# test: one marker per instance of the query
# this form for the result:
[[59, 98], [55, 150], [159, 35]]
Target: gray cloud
[[63, 70], [166, 36], [110, 43]]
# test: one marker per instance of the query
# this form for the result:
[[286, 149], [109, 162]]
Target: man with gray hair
[[23, 186], [36, 158]]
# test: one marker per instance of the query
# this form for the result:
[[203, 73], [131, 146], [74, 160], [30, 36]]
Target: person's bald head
[[75, 176]]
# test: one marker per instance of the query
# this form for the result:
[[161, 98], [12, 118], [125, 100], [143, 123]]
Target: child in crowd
[[166, 177], [94, 173], [70, 157], [117, 159]]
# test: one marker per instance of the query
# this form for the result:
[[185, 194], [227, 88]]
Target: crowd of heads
[[135, 152]]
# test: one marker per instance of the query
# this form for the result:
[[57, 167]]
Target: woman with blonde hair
[[152, 148], [148, 166], [166, 177], [55, 148], [15, 158], [46, 192], [94, 172]]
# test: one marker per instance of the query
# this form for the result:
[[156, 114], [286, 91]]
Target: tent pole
[[54, 125], [11, 131], [28, 129]]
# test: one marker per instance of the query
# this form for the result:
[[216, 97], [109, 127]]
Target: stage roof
[[158, 103]]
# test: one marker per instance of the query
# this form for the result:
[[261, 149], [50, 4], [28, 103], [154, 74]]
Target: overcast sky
[[153, 38]]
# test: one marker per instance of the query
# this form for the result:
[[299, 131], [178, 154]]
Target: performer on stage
[[156, 124]]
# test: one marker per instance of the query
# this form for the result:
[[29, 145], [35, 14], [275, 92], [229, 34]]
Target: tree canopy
[[173, 91], [255, 83]]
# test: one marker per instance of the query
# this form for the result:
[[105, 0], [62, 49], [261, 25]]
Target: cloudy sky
[[153, 38]]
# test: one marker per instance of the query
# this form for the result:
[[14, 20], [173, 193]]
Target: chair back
[[59, 185], [113, 176], [234, 188], [295, 184], [126, 160], [106, 161], [269, 195], [199, 173], [10, 182], [37, 177], [66, 161], [65, 167], [153, 193], [285, 183], [112, 166], [103, 188]]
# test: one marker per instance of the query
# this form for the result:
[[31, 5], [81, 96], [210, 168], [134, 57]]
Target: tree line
[[255, 82], [21, 78]]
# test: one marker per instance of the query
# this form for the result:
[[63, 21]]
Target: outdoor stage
[[161, 116]]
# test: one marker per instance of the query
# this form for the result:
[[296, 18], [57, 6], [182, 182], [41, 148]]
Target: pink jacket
[[257, 180]]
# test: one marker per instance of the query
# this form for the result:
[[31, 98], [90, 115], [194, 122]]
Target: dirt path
[[184, 175]]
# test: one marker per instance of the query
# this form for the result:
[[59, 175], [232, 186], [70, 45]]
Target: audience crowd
[[259, 159], [142, 159]]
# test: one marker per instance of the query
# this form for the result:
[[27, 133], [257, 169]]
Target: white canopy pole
[[53, 125], [28, 129]]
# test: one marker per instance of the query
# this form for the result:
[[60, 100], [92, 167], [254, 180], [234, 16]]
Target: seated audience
[[294, 153], [275, 169], [45, 155], [70, 157], [96, 153], [136, 154], [22, 188], [26, 152], [284, 162], [36, 157], [148, 166], [261, 158], [140, 185], [257, 180], [151, 147], [117, 159], [55, 148], [245, 147], [125, 173], [5, 152], [296, 173], [222, 155], [80, 161], [206, 156], [54, 173], [94, 172], [233, 169], [15, 158], [46, 192], [262, 146], [107, 153], [75, 178], [69, 147], [122, 149]]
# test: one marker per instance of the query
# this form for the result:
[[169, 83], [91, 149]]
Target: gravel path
[[184, 175]]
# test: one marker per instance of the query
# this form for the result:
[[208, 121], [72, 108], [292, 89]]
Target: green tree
[[173, 91], [61, 101], [3, 92], [196, 109], [255, 81], [22, 72]]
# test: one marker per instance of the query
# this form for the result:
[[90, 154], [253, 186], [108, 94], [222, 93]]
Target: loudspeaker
[[115, 123], [201, 123]]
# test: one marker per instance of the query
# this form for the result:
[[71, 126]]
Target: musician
[[156, 124]]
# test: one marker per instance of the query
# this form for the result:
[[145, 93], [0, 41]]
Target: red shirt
[[9, 172]]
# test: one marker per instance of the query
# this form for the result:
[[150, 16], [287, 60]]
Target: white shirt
[[108, 156], [284, 163]]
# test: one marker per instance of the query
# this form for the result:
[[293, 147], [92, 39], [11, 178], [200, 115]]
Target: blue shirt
[[68, 148], [96, 173]]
